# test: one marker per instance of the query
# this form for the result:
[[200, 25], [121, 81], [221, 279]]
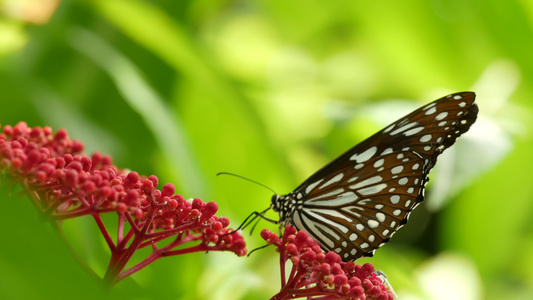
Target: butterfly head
[[283, 205]]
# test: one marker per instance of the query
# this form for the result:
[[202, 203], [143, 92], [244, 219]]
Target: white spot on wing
[[335, 179], [380, 217], [372, 223], [372, 189], [431, 111], [389, 128], [331, 223], [414, 131], [386, 151], [441, 116], [328, 195], [352, 179], [342, 199], [313, 228], [425, 138], [352, 210], [379, 163], [429, 106], [366, 155], [397, 169], [368, 181], [312, 186], [404, 128]]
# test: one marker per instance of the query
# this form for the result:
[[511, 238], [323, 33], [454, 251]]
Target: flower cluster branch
[[64, 183], [318, 275]]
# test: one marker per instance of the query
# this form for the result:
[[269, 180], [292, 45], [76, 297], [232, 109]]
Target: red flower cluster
[[322, 275], [64, 183]]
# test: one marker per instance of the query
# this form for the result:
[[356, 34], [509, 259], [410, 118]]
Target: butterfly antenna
[[248, 179], [258, 248], [253, 227], [251, 218]]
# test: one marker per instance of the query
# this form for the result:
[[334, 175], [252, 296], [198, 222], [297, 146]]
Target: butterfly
[[354, 204]]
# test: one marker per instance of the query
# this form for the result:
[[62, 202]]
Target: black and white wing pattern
[[354, 204]]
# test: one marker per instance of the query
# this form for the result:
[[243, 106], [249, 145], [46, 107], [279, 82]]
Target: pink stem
[[104, 232], [158, 253], [119, 260]]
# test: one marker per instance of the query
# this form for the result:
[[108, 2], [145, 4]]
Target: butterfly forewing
[[358, 201]]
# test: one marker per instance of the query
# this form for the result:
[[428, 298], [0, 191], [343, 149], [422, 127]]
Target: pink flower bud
[[168, 190]]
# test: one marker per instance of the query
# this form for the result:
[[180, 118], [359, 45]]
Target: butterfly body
[[354, 204]]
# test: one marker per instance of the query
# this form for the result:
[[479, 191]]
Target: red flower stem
[[52, 206], [180, 241], [120, 228], [198, 248], [151, 242], [294, 269], [283, 260], [282, 295], [126, 239], [119, 259], [78, 212], [118, 262], [133, 224], [293, 281], [158, 253], [104, 232], [84, 202], [49, 204], [177, 229], [34, 196], [153, 257]]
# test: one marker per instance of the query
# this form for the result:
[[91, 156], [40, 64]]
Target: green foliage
[[272, 90]]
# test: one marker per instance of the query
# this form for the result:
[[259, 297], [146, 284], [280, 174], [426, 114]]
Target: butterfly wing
[[354, 204]]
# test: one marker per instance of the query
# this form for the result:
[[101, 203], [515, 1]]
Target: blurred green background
[[272, 90]]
